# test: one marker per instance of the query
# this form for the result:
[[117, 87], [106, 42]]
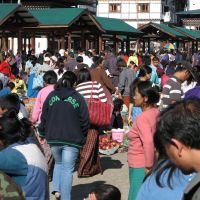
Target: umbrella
[[169, 46]]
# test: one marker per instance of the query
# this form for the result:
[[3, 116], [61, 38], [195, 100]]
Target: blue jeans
[[65, 159]]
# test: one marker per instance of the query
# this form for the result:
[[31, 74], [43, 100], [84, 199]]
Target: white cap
[[62, 52], [46, 59], [54, 58]]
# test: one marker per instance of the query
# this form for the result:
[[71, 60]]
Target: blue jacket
[[26, 165], [151, 191]]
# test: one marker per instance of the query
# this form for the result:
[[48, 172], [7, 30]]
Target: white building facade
[[134, 12], [193, 4]]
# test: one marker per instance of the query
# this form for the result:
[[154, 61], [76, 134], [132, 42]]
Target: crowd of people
[[46, 129]]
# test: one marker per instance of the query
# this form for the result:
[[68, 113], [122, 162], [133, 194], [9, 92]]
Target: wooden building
[[63, 27]]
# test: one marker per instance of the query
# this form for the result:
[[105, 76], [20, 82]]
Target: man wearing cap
[[172, 91], [46, 65]]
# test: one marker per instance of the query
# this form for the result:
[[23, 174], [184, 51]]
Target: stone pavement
[[115, 172]]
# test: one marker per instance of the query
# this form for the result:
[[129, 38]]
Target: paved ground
[[115, 173]]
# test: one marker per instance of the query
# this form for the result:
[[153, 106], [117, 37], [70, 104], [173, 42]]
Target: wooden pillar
[[69, 39], [29, 43], [128, 45], [115, 43], [62, 42], [3, 41], [6, 43], [58, 44], [100, 42], [25, 44], [53, 42], [87, 44], [143, 47], [32, 41], [122, 46], [48, 41], [12, 40], [192, 47], [149, 43], [19, 41], [83, 40], [197, 46], [177, 44]]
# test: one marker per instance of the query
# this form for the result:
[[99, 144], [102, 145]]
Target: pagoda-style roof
[[118, 26], [16, 15], [193, 34], [189, 12], [161, 31], [57, 3], [57, 16]]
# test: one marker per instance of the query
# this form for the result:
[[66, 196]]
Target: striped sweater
[[85, 89], [172, 91]]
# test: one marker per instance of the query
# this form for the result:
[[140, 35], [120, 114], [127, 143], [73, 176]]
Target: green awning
[[162, 28], [194, 34], [116, 26], [57, 16], [7, 9], [169, 30], [189, 12]]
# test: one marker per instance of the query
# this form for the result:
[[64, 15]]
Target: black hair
[[162, 164], [144, 71], [132, 89], [11, 103], [181, 121], [121, 64], [34, 60], [71, 54], [50, 77], [13, 130], [60, 68], [118, 103], [83, 76], [181, 67], [1, 85], [145, 88], [99, 61], [88, 53], [11, 85], [67, 81], [156, 59], [107, 192], [79, 59], [132, 62]]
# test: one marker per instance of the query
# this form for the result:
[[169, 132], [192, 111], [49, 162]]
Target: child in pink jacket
[[50, 78]]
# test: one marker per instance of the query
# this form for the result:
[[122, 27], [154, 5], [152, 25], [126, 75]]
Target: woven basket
[[109, 151]]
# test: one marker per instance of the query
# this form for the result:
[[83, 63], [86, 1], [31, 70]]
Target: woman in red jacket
[[5, 67]]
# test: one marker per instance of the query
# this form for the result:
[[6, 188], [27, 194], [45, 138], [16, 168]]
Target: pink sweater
[[141, 147], [41, 97]]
